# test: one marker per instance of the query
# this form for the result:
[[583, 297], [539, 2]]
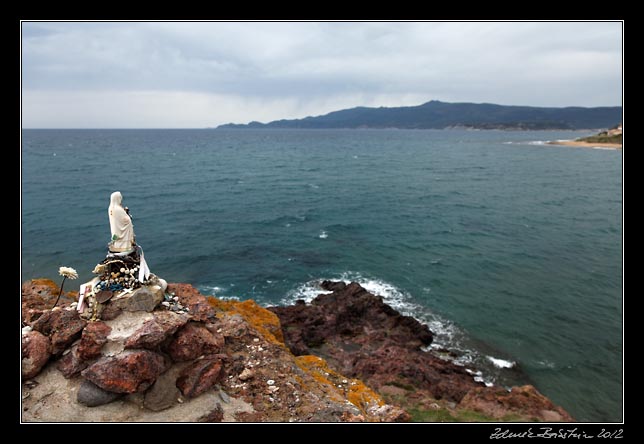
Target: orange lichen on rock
[[355, 391], [265, 322]]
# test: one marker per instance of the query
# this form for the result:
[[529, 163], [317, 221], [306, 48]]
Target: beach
[[617, 146]]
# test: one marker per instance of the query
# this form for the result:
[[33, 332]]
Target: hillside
[[441, 115]]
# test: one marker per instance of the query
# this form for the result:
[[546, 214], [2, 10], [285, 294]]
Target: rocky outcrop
[[212, 360], [217, 361], [362, 337], [524, 401]]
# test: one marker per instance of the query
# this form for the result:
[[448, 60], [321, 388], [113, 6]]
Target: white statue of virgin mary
[[123, 240]]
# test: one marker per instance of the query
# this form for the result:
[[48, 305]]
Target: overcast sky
[[202, 74]]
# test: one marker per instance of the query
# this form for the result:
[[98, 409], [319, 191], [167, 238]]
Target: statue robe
[[120, 225]]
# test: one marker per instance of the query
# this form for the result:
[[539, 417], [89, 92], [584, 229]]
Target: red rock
[[192, 341], [155, 331], [71, 364], [62, 326], [524, 401], [38, 296], [127, 372], [92, 339], [196, 303], [199, 376], [361, 336], [36, 351]]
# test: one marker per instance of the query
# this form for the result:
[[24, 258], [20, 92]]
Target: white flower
[[68, 272]]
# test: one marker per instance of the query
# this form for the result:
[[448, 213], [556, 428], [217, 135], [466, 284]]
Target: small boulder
[[92, 395], [36, 350], [196, 303], [194, 340], [142, 299], [71, 363], [93, 338], [155, 331], [200, 376], [128, 372], [62, 326]]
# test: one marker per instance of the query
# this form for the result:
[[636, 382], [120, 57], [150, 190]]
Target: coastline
[[344, 357], [578, 143]]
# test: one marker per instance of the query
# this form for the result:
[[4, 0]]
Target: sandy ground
[[617, 146], [44, 404]]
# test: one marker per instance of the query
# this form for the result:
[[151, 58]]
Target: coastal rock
[[192, 341], [92, 395], [199, 377], [93, 338], [62, 326], [196, 303], [524, 403], [71, 363], [145, 298], [361, 336], [155, 331], [36, 351], [128, 372], [232, 366]]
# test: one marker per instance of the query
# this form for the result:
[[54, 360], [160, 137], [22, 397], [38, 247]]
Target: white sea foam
[[323, 235], [501, 363], [546, 364]]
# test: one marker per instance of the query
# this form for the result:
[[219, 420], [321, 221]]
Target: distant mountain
[[440, 115]]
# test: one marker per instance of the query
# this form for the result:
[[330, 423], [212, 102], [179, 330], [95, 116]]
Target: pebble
[[270, 382], [254, 339], [176, 298], [246, 374], [224, 396], [165, 303]]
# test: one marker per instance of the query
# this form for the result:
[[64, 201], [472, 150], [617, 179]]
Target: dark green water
[[508, 249]]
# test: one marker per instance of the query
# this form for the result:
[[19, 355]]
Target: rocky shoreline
[[346, 356]]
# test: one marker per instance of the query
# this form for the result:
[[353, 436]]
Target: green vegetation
[[603, 138], [444, 415], [439, 115]]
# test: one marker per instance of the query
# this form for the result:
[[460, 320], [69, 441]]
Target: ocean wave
[[501, 363], [217, 291], [323, 235]]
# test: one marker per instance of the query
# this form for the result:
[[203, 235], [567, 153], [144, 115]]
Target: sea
[[509, 249]]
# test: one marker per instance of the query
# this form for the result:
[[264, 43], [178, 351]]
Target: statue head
[[116, 198]]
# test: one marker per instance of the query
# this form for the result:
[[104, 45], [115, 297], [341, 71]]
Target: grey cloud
[[548, 64]]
